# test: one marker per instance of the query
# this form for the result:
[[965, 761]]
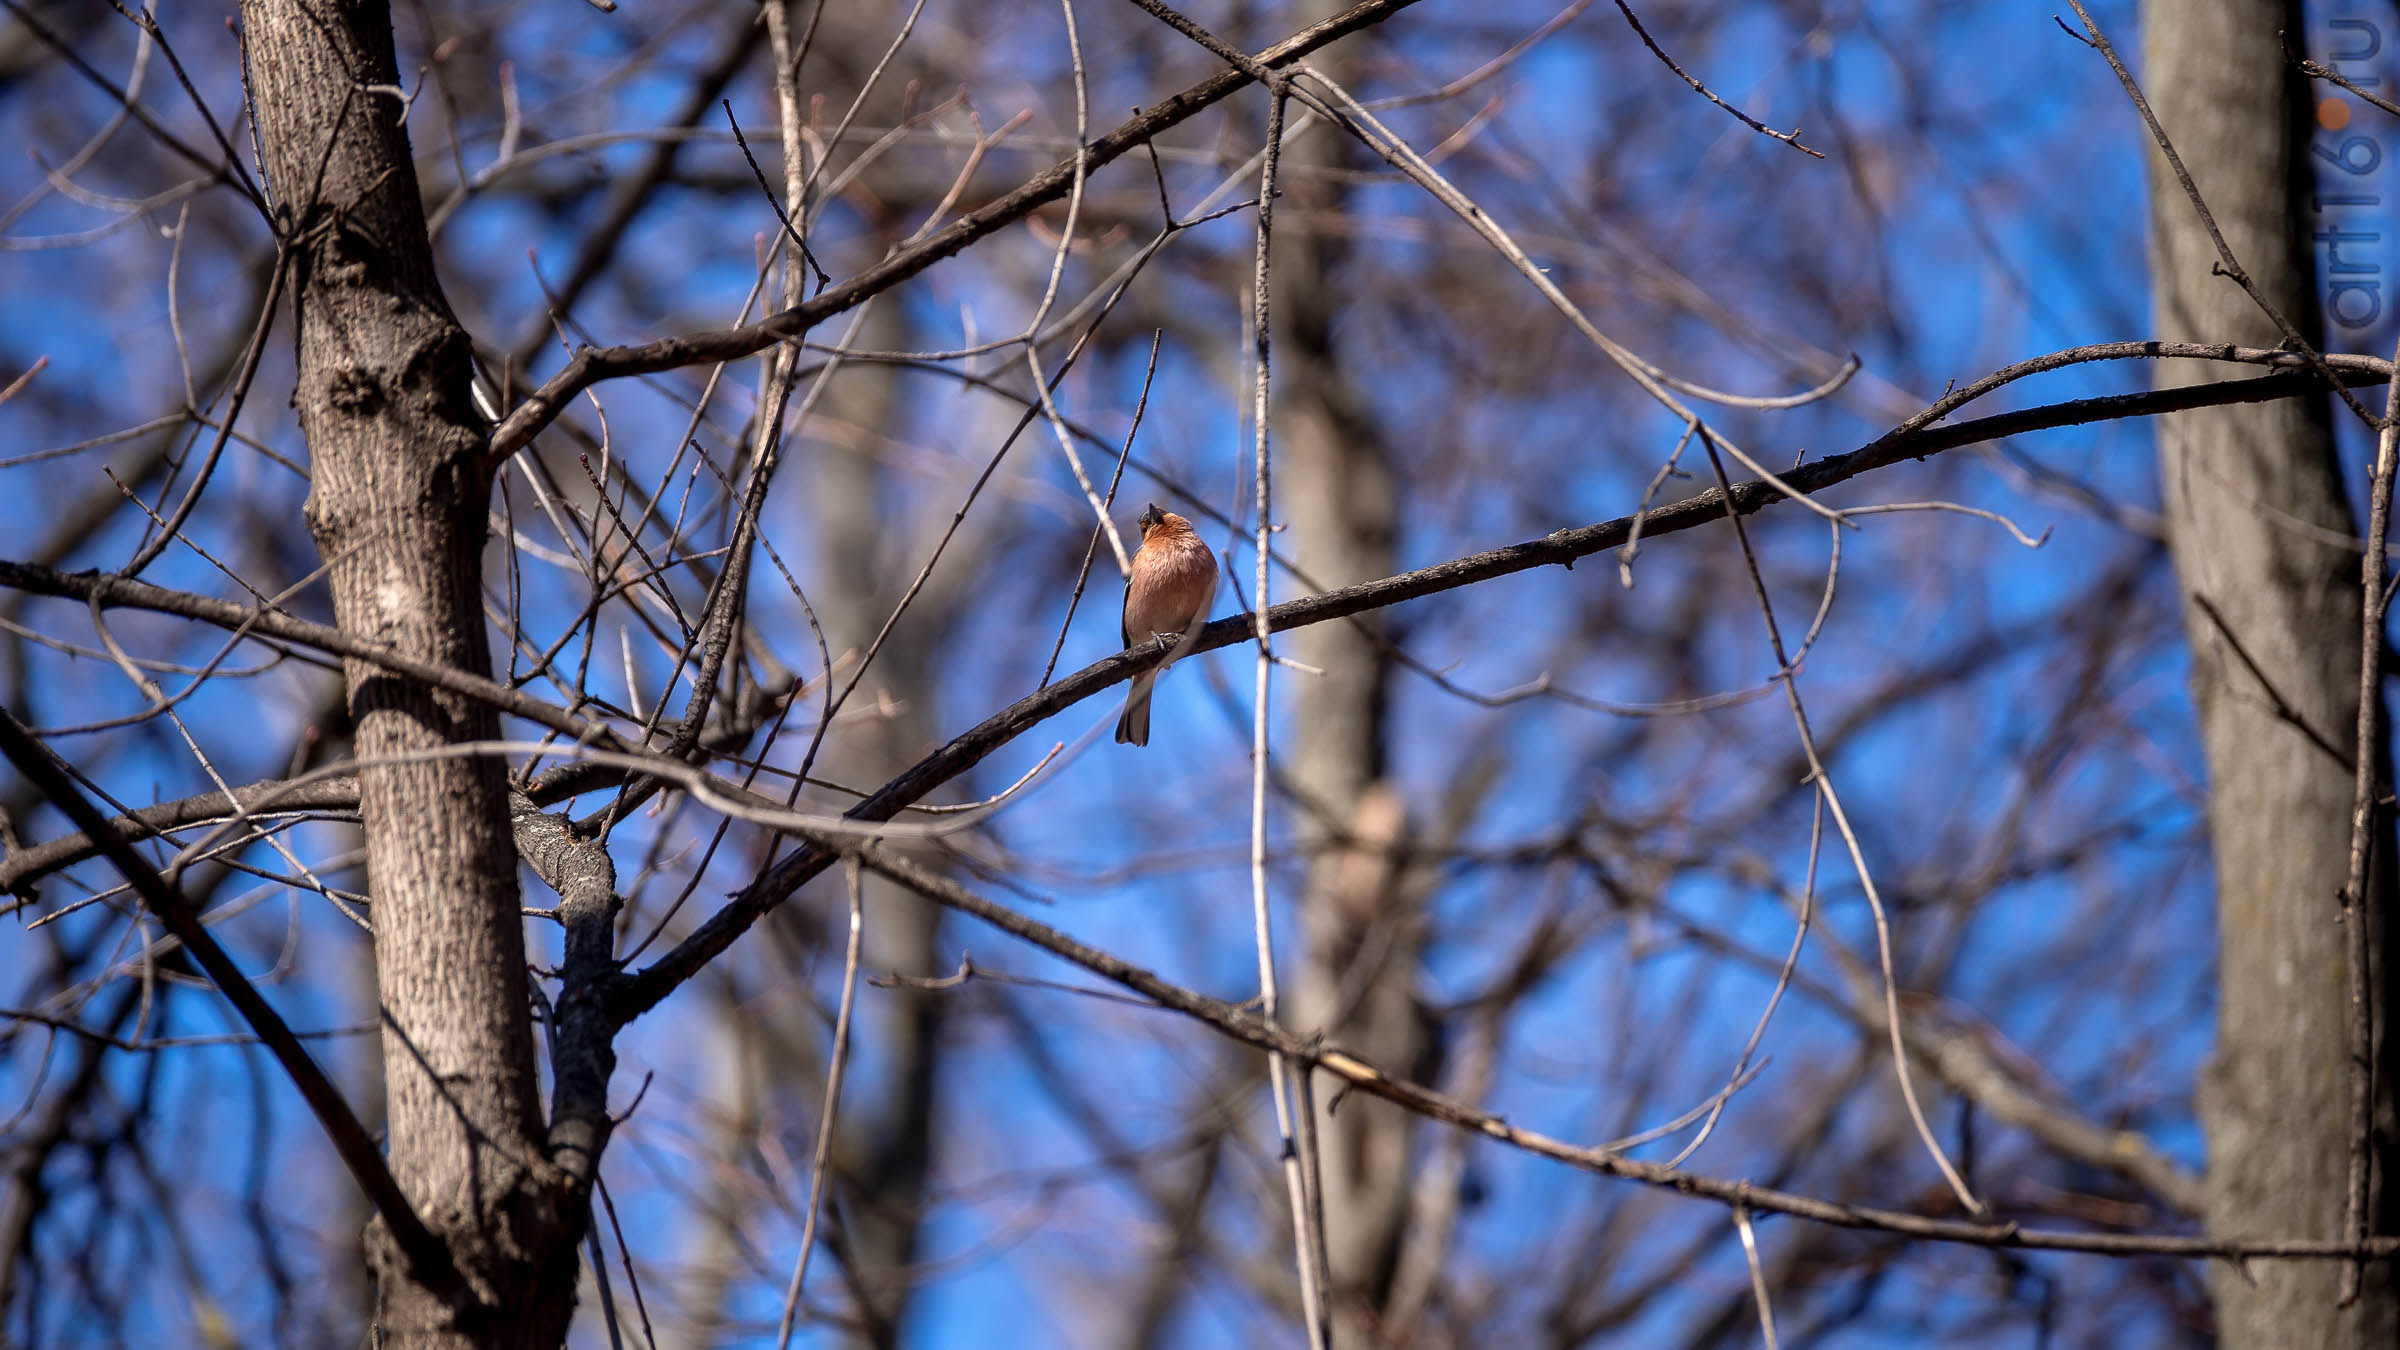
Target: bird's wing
[[1125, 615], [1208, 597]]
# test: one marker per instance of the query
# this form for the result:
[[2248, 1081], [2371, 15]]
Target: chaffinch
[[1166, 601]]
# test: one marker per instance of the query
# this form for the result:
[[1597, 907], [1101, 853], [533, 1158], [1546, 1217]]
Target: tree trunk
[[2253, 496], [397, 506], [888, 1116], [1360, 916]]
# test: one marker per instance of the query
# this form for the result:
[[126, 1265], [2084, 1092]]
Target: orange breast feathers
[[1167, 596], [1174, 578]]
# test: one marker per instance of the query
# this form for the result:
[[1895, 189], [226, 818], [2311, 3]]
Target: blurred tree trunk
[[1358, 915], [885, 1143], [397, 506], [2253, 494]]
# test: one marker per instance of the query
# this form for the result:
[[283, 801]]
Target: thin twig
[[1790, 138], [2374, 594], [1758, 1276], [2318, 71], [1783, 982], [242, 380], [1091, 549], [833, 1098], [1241, 1025], [1041, 312], [2227, 263], [1823, 780], [1289, 1120], [640, 991], [592, 365], [427, 1256]]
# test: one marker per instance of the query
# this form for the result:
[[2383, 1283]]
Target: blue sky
[[1981, 202]]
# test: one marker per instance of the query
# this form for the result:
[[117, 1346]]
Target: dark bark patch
[[352, 390]]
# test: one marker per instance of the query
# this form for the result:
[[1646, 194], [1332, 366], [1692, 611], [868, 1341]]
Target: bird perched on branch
[[1166, 601]]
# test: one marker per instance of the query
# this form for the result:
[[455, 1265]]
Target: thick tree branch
[[640, 991], [20, 869], [582, 1056], [110, 590], [568, 779], [1913, 439]]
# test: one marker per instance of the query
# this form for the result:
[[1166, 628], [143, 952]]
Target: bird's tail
[[1134, 727]]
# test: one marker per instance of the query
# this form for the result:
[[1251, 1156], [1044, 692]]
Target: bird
[[1167, 594]]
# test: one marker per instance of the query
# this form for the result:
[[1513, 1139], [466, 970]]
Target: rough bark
[[397, 506], [2252, 495]]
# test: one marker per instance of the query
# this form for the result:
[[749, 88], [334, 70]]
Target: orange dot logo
[[2333, 114]]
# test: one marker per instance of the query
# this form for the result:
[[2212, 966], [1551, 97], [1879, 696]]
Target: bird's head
[[1152, 518]]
